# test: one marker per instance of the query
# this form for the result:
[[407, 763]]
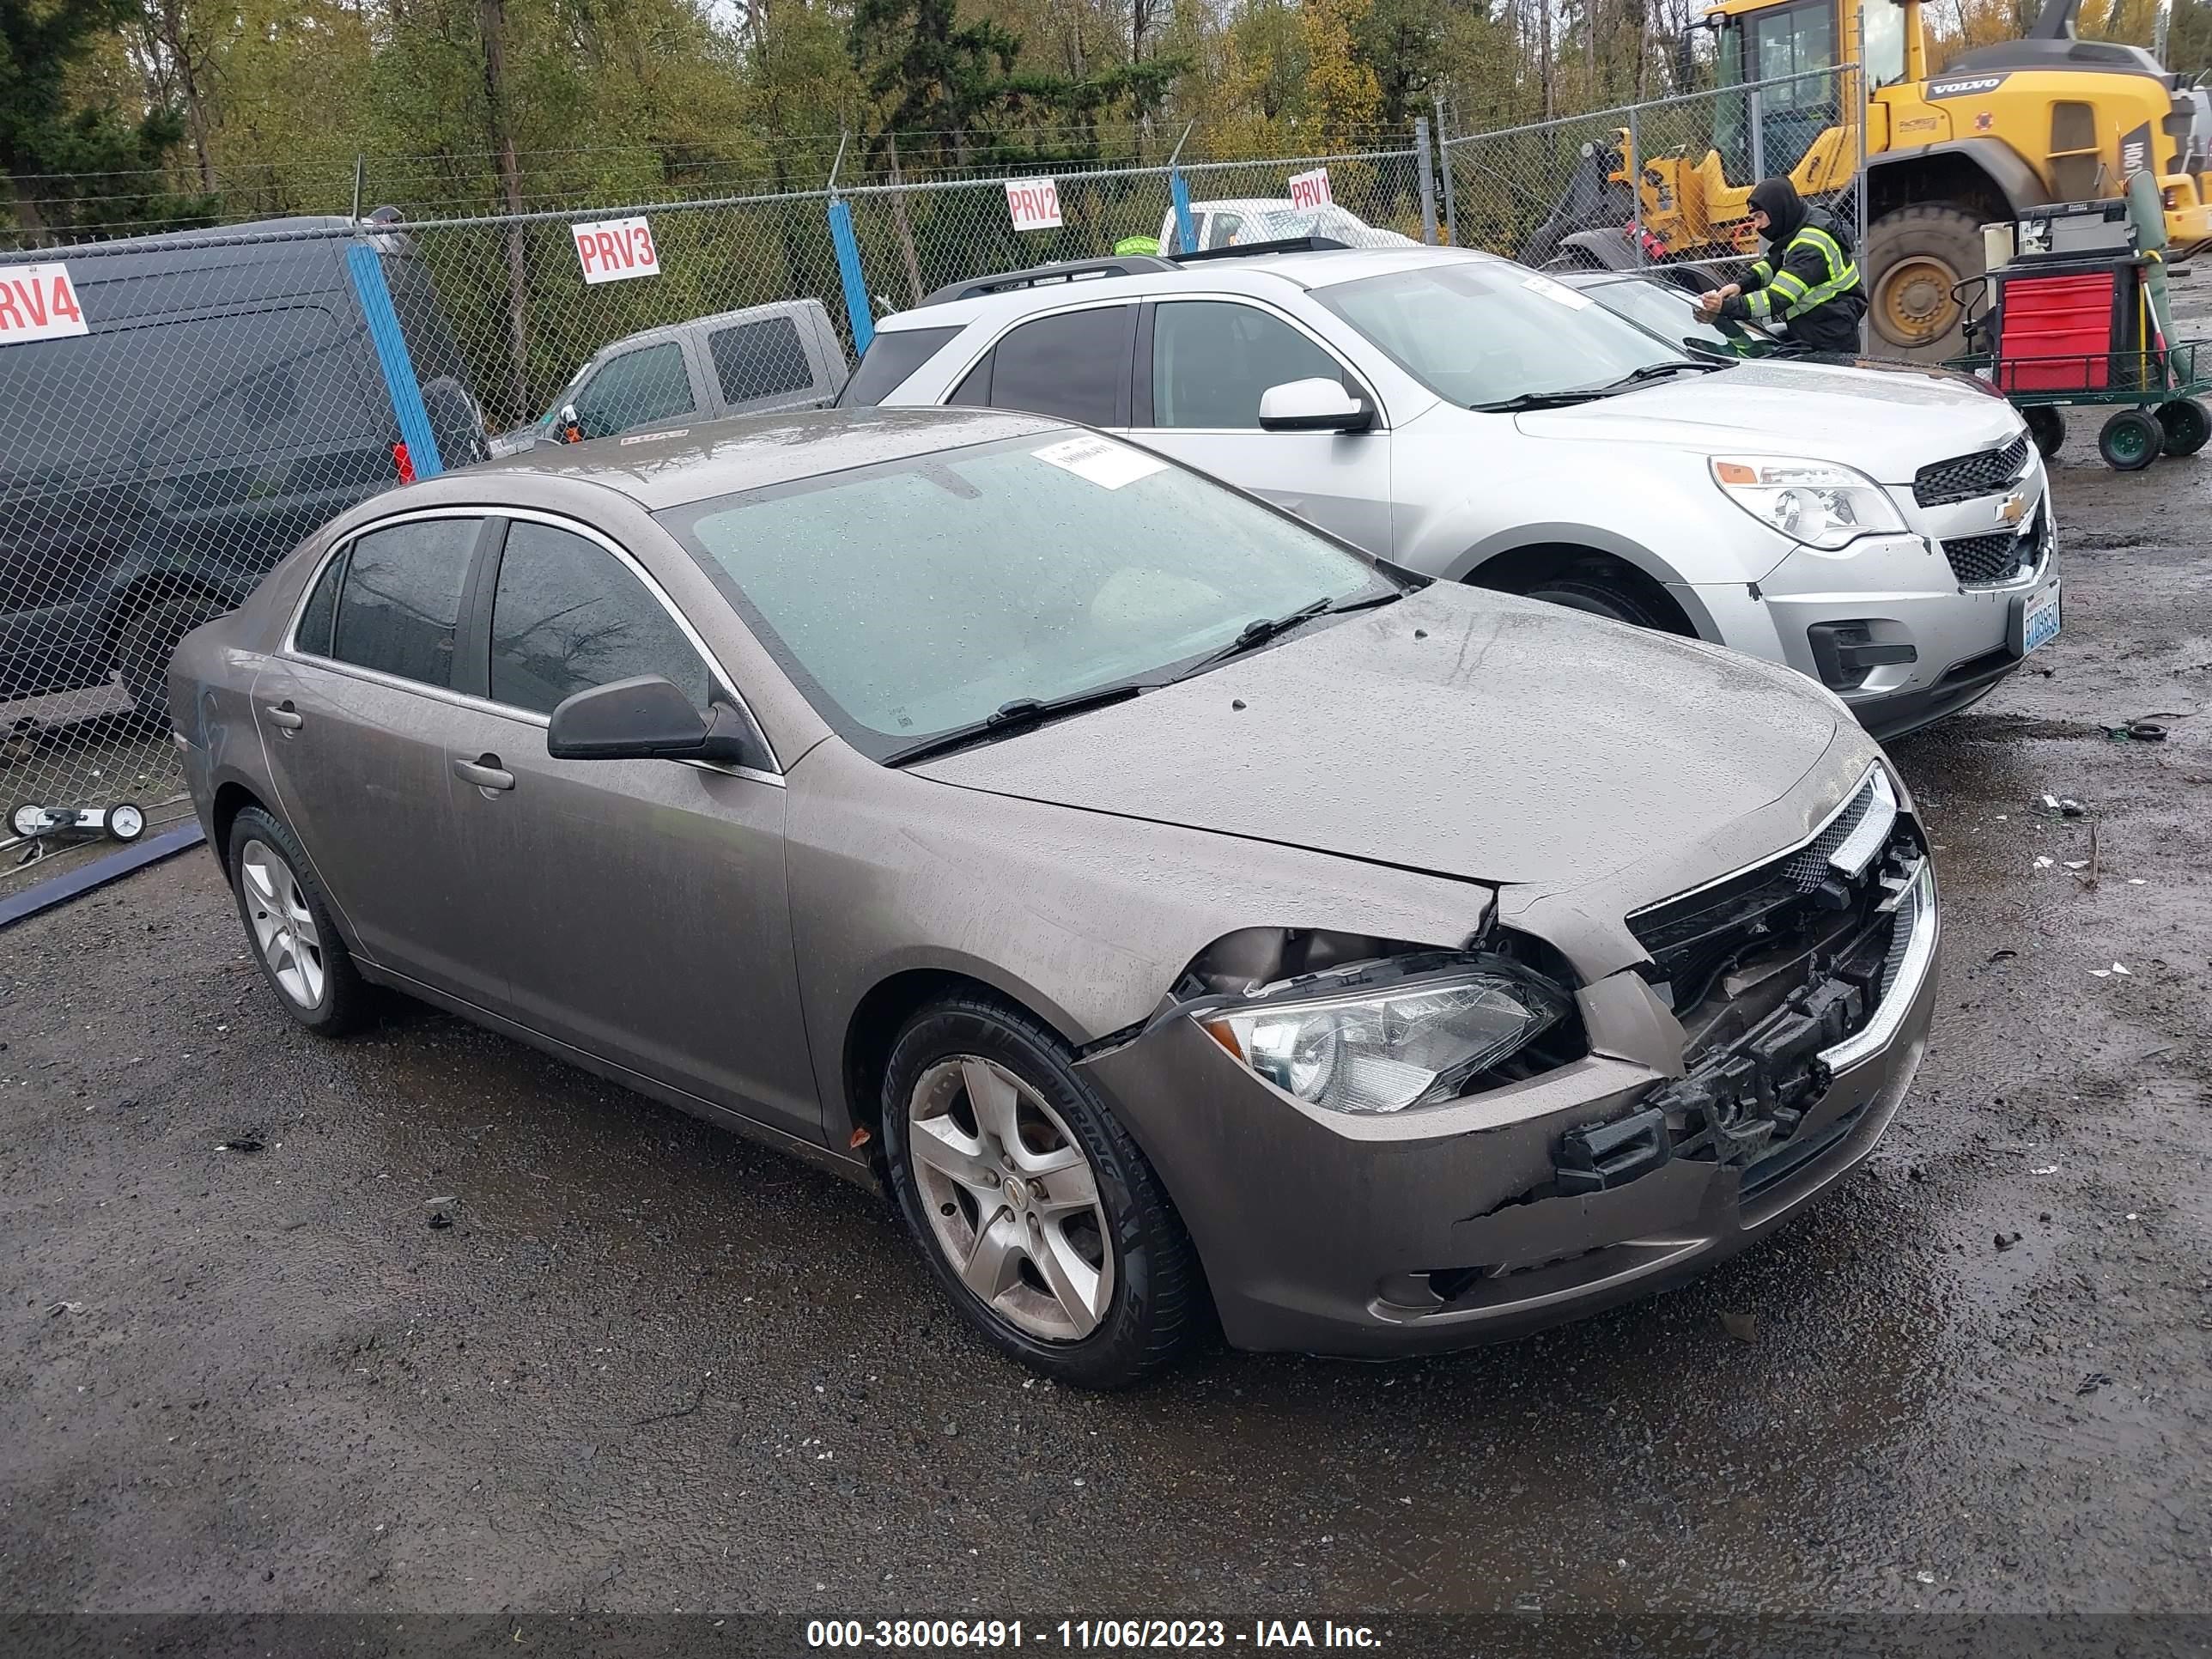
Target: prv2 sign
[[614, 250], [1034, 203], [38, 302], [1310, 189]]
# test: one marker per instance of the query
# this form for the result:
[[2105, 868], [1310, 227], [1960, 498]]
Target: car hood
[[1457, 731], [1885, 423]]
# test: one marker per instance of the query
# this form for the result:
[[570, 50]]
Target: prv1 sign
[[1034, 203], [1310, 189], [38, 302], [614, 250]]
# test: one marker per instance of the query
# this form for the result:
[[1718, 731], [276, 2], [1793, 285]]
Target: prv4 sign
[[614, 250], [1310, 189], [38, 302], [1034, 203]]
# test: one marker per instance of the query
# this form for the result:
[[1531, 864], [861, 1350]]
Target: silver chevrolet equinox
[[1184, 915], [1889, 535]]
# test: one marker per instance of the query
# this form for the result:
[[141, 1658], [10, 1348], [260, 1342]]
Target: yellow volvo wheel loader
[[2002, 128]]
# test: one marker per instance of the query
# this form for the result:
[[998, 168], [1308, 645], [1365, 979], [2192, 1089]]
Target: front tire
[[1915, 257], [1037, 1215], [1595, 592], [288, 922]]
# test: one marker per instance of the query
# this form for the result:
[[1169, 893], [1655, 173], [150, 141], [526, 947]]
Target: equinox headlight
[[1816, 503], [1382, 1048]]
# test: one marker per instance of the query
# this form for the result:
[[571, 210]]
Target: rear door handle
[[483, 772], [283, 716]]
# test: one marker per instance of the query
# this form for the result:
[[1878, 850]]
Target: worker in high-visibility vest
[[1806, 280], [1138, 245]]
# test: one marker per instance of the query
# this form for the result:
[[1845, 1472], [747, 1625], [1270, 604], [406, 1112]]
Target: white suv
[[1889, 535]]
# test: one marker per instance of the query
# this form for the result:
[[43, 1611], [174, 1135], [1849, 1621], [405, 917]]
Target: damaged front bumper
[[1618, 1174]]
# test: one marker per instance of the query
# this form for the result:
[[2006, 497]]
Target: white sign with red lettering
[[38, 302], [1035, 203], [614, 250], [1310, 189]]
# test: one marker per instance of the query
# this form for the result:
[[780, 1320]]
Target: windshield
[[919, 596], [1485, 331], [1667, 311]]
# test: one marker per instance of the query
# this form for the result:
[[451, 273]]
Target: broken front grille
[[1964, 477], [1984, 560], [1771, 969]]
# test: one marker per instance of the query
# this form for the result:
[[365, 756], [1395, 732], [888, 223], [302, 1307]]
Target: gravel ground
[[650, 1368]]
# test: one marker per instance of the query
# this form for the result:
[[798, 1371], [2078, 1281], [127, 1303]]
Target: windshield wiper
[[1261, 629], [1661, 371], [1017, 715], [1541, 400]]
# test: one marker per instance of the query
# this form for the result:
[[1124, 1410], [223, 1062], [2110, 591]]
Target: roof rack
[[1068, 270], [1252, 250]]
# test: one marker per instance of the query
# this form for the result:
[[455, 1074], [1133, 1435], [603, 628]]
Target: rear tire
[[289, 926], [2130, 440], [145, 639], [1914, 257], [2186, 426], [2047, 425], [1058, 1246]]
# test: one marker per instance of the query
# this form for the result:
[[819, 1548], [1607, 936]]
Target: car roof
[[673, 468], [1257, 274]]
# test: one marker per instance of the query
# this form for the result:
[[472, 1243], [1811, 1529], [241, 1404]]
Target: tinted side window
[[635, 389], [1211, 360], [321, 610], [401, 598], [759, 360], [889, 358], [1074, 366], [567, 614]]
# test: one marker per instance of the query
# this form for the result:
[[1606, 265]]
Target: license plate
[[2039, 623]]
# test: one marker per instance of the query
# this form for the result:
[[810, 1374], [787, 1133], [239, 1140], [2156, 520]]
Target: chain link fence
[[184, 410], [1661, 183]]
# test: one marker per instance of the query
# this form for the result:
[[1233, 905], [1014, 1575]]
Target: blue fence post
[[1186, 238], [368, 286], [858, 312]]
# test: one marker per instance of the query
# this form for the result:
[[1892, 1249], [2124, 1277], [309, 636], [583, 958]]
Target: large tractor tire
[[1915, 256]]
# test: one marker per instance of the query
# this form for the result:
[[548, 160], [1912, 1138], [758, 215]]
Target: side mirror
[[645, 718], [571, 428], [1314, 405]]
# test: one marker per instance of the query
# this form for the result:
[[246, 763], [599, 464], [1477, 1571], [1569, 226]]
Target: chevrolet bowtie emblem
[[2012, 509]]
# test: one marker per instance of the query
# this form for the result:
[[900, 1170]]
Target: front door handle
[[283, 716], [483, 772]]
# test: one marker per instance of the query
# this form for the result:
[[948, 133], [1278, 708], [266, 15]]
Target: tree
[[1341, 91], [75, 168]]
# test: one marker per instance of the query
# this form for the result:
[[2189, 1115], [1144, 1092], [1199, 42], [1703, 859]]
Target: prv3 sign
[[614, 250], [1310, 189], [1034, 203]]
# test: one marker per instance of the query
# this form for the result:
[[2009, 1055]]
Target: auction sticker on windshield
[[1103, 462], [1559, 291]]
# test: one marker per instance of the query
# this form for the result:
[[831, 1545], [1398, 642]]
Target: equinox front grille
[[1964, 477], [1984, 560]]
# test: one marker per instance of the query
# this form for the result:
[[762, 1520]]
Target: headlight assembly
[[1816, 503], [1416, 1040]]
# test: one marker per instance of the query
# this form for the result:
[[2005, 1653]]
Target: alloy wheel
[[1011, 1198], [283, 926]]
